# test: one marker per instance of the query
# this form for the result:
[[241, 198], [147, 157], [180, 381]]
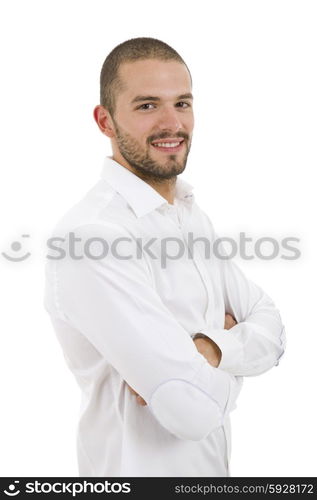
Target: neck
[[165, 187]]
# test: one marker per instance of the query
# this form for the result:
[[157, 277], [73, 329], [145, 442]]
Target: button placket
[[173, 212], [201, 266], [198, 262]]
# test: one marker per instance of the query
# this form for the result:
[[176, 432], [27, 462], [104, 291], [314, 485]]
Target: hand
[[139, 399], [229, 321], [208, 348]]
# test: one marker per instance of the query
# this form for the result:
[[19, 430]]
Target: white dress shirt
[[130, 313]]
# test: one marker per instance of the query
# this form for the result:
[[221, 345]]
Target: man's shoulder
[[96, 212]]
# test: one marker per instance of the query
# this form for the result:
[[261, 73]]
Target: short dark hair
[[129, 51]]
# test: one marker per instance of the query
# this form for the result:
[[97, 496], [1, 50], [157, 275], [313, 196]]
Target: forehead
[[154, 77]]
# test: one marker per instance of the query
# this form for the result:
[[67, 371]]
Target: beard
[[140, 158]]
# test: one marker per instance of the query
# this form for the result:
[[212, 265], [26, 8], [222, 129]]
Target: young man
[[157, 330]]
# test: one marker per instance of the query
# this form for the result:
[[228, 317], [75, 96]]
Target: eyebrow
[[141, 98]]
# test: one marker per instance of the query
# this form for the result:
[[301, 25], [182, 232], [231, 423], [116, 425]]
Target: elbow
[[276, 351], [262, 365], [282, 345], [185, 411], [279, 355]]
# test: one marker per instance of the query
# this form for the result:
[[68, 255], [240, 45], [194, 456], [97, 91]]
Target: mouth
[[169, 145]]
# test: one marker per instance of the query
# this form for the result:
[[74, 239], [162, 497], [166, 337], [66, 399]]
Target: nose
[[170, 119]]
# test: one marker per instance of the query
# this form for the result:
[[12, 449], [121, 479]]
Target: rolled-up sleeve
[[258, 341], [115, 305]]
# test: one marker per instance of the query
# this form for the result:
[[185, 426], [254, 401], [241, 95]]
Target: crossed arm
[[206, 346], [190, 387]]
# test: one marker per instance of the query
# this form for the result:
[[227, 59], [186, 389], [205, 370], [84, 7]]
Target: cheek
[[190, 122], [144, 129], [139, 127]]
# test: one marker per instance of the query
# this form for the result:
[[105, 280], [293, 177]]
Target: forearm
[[187, 396], [205, 346], [257, 342], [251, 347]]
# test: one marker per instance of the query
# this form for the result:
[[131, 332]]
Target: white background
[[252, 163]]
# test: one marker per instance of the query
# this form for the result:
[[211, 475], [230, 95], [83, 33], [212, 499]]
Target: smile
[[169, 146]]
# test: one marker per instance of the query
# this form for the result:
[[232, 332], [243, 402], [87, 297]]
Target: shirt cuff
[[231, 348], [185, 410]]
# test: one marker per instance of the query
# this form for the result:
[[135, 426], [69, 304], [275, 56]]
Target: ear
[[103, 119]]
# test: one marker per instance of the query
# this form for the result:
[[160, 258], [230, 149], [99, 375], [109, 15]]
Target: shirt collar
[[141, 197]]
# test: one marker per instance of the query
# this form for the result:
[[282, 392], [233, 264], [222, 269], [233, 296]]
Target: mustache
[[166, 135]]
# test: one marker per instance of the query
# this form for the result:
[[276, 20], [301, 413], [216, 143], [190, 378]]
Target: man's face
[[153, 119]]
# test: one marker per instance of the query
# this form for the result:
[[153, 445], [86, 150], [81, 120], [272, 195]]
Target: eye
[[143, 106], [183, 104]]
